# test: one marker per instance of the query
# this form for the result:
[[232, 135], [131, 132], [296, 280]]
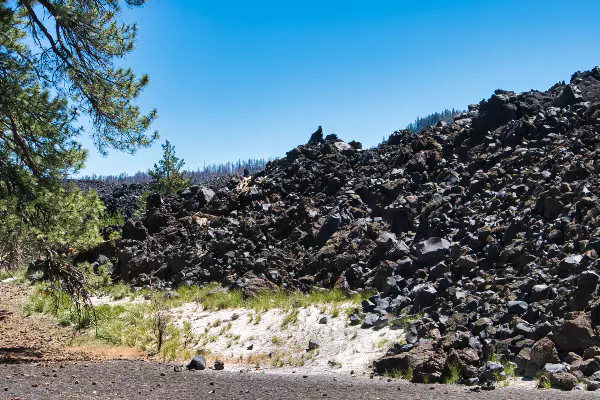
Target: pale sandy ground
[[276, 349], [275, 346], [342, 348]]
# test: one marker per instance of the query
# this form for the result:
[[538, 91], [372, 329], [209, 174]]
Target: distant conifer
[[167, 175]]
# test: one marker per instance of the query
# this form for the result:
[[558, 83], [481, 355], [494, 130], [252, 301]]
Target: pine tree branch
[[47, 34], [26, 153]]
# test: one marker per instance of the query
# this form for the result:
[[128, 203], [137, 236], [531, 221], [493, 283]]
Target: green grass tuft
[[20, 274], [400, 374], [290, 319], [276, 340], [117, 291], [453, 377]]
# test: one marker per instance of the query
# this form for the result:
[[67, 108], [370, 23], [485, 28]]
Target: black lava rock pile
[[488, 229], [125, 198], [118, 198]]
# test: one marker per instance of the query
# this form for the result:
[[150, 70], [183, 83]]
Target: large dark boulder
[[575, 334], [426, 363], [198, 363], [205, 195], [134, 230], [544, 352], [432, 250], [256, 286]]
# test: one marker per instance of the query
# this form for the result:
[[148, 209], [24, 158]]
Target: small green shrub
[[112, 219]]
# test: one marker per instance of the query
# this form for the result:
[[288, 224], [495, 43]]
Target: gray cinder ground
[[144, 380]]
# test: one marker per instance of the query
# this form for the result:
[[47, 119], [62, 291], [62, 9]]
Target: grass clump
[[335, 312], [118, 291], [276, 340], [400, 374], [407, 320], [510, 368], [384, 343], [278, 360], [58, 304], [290, 319], [453, 375], [542, 382], [19, 275]]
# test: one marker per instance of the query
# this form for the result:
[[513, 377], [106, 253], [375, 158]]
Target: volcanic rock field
[[485, 231]]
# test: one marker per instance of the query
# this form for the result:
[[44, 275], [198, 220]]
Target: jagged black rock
[[488, 228]]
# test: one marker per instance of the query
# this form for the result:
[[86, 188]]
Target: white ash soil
[[278, 347], [342, 348]]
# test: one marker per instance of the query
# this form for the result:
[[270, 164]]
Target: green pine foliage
[[57, 218], [58, 65], [168, 176]]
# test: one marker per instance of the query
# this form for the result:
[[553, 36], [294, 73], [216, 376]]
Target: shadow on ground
[[19, 355]]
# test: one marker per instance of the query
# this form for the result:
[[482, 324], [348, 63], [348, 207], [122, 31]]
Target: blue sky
[[238, 79]]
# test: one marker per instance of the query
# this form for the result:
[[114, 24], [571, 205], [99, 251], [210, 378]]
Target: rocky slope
[[124, 198], [488, 228], [117, 198]]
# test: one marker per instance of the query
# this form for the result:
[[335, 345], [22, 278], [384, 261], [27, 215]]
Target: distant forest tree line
[[432, 119], [210, 171], [253, 165]]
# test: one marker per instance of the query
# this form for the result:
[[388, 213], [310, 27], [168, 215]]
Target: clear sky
[[239, 79]]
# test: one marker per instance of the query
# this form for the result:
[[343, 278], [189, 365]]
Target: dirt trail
[[32, 338], [38, 338]]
